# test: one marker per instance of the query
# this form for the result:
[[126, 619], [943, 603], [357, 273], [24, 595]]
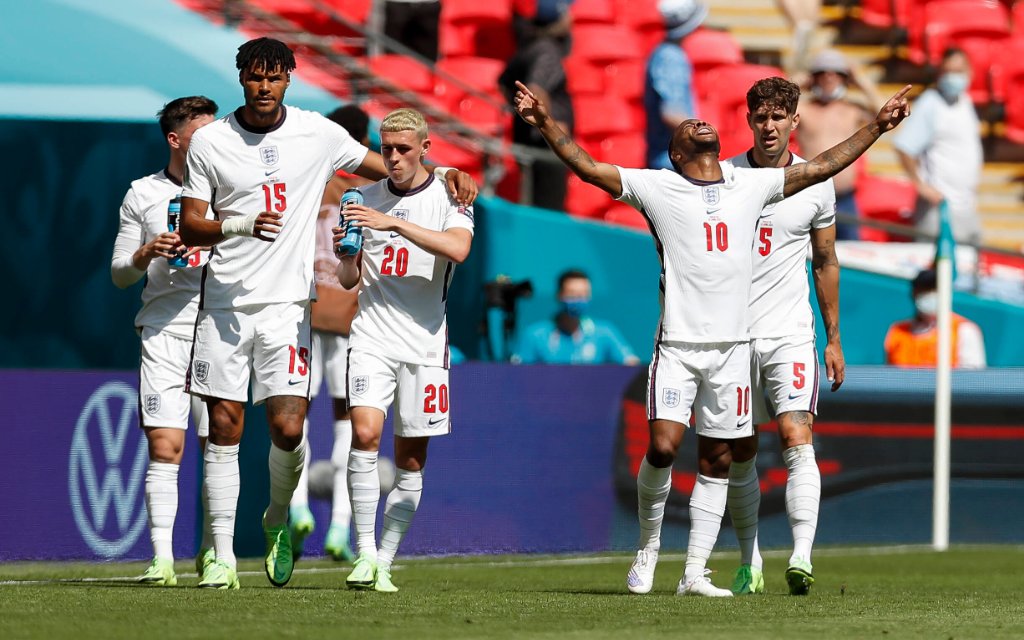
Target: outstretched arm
[[460, 184], [535, 113], [831, 161], [825, 271]]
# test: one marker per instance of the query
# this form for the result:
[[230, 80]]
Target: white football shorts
[[713, 379], [422, 392], [330, 360], [269, 341], [162, 398], [786, 371]]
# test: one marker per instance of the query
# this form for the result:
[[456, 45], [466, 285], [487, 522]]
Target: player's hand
[[894, 111], [268, 225], [835, 365], [930, 194], [193, 251], [529, 107], [363, 216], [461, 186], [165, 245]]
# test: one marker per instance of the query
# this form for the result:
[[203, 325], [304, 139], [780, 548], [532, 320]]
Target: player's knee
[[165, 450], [795, 428], [716, 464], [365, 437], [744, 449], [661, 453]]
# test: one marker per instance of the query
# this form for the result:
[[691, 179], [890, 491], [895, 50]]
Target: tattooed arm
[[831, 161], [825, 271], [535, 113]]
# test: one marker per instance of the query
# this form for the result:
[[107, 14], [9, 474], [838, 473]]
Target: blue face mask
[[575, 307], [951, 85]]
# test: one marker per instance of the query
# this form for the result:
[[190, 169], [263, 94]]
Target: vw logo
[[107, 469]]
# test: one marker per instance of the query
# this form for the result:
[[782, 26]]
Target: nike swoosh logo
[[713, 211], [295, 382], [270, 173], [742, 424], [793, 397], [394, 234], [434, 421]]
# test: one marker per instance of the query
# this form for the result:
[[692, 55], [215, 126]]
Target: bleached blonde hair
[[405, 120]]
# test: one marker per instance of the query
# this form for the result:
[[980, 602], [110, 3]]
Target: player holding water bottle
[[413, 234]]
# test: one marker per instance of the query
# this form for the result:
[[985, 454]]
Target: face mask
[[951, 85], [821, 96], [575, 307], [927, 304]]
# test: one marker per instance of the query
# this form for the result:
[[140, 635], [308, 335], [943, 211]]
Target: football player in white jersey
[[262, 170], [784, 360], [703, 217], [170, 300], [331, 318], [414, 233]]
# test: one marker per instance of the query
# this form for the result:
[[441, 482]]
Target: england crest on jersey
[[269, 155], [401, 214], [710, 194], [670, 398]]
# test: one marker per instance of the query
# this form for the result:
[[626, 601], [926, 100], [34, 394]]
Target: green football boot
[[799, 577], [364, 573], [160, 573], [204, 558], [219, 575], [748, 580], [336, 543], [300, 525], [279, 561], [383, 582]]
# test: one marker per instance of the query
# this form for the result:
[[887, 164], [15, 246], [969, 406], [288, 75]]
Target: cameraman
[[572, 336]]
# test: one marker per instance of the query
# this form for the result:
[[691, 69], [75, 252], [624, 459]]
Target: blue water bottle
[[352, 241], [173, 223]]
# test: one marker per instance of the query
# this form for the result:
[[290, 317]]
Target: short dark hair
[[265, 53], [925, 280], [777, 93], [352, 119], [571, 274], [951, 51], [181, 111]]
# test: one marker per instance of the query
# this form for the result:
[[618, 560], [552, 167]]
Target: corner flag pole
[[944, 270]]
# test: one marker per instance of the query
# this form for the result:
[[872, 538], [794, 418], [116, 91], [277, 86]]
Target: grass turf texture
[[964, 593]]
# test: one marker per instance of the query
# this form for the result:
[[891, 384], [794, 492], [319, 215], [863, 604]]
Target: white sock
[[285, 470], [300, 497], [207, 541], [222, 482], [803, 496], [341, 507], [162, 505], [401, 506], [707, 506], [744, 502], [364, 487], [652, 489]]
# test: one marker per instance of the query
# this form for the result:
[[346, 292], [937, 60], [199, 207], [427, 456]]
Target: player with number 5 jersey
[[262, 170], [414, 234], [702, 216]]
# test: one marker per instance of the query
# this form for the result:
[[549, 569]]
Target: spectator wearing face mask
[[572, 336], [914, 342], [829, 114], [939, 146]]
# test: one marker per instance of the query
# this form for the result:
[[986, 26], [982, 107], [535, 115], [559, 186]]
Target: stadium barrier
[[540, 459]]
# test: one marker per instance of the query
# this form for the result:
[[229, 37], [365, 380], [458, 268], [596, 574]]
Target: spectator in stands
[[542, 43], [940, 149], [668, 81], [803, 17], [913, 342], [572, 336], [829, 115], [414, 24]]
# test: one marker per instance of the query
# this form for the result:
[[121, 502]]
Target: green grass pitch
[[890, 593]]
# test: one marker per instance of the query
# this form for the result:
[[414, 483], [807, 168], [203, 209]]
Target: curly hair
[[777, 93]]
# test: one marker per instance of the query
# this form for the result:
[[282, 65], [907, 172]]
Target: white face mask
[[821, 96], [927, 304], [951, 85]]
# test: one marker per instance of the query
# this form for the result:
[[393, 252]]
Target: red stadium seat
[[583, 77], [708, 48], [479, 73], [582, 199], [1008, 85], [722, 95], [938, 24], [444, 153], [476, 11], [886, 13], [354, 10], [626, 216], [625, 79], [884, 200], [624, 149], [643, 18], [592, 12], [404, 72], [602, 116], [300, 12], [605, 44]]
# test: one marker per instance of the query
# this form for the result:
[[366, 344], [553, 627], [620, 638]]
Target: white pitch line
[[554, 561]]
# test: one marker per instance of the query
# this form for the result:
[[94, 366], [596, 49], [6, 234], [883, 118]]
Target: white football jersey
[[780, 296], [240, 170], [703, 232], [404, 289], [170, 297]]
